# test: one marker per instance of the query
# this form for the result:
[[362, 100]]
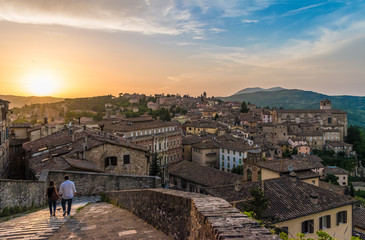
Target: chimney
[[238, 186], [313, 197]]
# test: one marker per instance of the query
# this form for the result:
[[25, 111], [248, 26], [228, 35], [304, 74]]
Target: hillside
[[299, 99], [20, 101], [258, 89]]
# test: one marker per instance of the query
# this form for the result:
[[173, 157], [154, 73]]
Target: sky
[[87, 48]]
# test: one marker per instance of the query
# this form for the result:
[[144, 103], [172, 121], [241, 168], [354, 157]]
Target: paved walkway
[[39, 225], [106, 221]]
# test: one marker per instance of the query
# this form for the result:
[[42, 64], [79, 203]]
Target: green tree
[[332, 179], [259, 202], [244, 108], [237, 170], [154, 167]]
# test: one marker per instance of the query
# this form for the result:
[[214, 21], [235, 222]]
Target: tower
[[325, 104]]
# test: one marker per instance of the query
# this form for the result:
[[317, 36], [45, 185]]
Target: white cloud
[[250, 21], [148, 17], [292, 12]]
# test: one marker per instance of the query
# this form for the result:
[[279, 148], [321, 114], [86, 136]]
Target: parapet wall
[[183, 215], [21, 193], [89, 183]]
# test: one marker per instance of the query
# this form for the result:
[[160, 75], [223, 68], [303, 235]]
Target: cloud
[[292, 12], [216, 30], [250, 21], [147, 17], [232, 8]]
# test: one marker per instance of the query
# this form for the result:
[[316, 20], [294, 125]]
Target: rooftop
[[204, 176], [287, 165], [288, 198]]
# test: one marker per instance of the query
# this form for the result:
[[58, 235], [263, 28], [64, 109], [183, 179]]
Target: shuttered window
[[325, 222], [341, 217], [308, 226]]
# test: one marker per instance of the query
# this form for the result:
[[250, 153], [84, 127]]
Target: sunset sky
[[74, 48]]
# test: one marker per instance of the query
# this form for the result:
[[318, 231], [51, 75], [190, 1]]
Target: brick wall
[[88, 183], [184, 215], [21, 193]]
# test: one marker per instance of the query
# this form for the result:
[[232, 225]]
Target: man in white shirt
[[67, 190]]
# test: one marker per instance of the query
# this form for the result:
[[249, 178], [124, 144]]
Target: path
[[39, 225], [106, 221]]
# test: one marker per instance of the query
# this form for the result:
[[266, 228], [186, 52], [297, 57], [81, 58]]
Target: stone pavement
[[39, 225], [106, 221]]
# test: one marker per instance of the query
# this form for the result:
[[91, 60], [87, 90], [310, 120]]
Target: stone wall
[[184, 215], [21, 193], [88, 183]]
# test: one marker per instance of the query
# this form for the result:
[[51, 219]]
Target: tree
[[259, 202], [154, 167], [332, 179], [244, 108], [237, 170], [352, 190]]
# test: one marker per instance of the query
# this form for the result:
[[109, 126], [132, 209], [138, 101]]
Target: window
[[111, 161], [249, 175], [126, 159], [341, 217], [234, 152], [325, 222], [307, 226]]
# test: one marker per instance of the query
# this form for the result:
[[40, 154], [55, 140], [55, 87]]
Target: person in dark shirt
[[52, 197]]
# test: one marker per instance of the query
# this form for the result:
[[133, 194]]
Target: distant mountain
[[258, 89], [20, 101], [299, 99]]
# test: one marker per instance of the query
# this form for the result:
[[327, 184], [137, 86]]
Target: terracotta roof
[[193, 139], [332, 187], [204, 176], [359, 217], [206, 145], [288, 198], [338, 144], [83, 164], [282, 166], [334, 170]]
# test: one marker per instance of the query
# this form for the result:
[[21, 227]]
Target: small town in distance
[[292, 171]]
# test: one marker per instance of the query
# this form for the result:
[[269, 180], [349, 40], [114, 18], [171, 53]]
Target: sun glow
[[42, 82]]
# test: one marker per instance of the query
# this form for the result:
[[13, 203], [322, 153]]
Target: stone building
[[327, 117], [163, 138], [85, 150], [4, 139], [18, 136]]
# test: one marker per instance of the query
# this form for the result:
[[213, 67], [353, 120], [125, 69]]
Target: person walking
[[52, 197], [67, 190]]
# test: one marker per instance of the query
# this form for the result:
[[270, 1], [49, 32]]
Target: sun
[[42, 82]]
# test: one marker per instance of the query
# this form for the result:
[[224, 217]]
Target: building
[[341, 173], [327, 117], [18, 136], [232, 153], [340, 147], [192, 177], [189, 141], [295, 206], [206, 154], [359, 222], [304, 170], [162, 138], [4, 139], [85, 150]]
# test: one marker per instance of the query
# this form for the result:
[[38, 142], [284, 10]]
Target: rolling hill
[[299, 99], [20, 101]]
